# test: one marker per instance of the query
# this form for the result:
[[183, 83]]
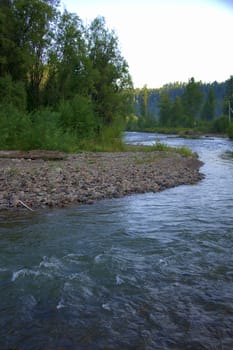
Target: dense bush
[[71, 128], [38, 130], [13, 124], [12, 93], [77, 117], [221, 124], [46, 133]]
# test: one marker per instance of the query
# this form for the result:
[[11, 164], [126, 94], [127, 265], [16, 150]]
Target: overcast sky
[[168, 40]]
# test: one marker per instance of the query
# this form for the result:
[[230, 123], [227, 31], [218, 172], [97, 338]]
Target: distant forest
[[195, 105], [177, 90]]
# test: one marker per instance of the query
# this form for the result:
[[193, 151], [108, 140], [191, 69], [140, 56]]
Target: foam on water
[[27, 272], [60, 304], [51, 263]]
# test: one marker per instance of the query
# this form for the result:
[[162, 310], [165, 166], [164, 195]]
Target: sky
[[167, 41]]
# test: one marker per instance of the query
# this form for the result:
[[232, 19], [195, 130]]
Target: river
[[151, 271]]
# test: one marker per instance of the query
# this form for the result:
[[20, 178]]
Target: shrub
[[46, 133], [39, 130], [221, 124], [77, 117], [13, 124], [12, 93]]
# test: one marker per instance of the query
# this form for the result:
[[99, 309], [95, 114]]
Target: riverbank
[[36, 180]]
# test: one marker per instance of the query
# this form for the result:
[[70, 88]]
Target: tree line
[[62, 83], [193, 105]]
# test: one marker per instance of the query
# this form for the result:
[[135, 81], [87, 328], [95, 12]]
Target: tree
[[77, 117], [26, 42], [208, 110], [10, 56], [192, 99], [144, 102], [111, 81], [146, 119], [12, 93], [34, 23], [177, 113], [67, 73], [229, 88], [228, 101], [165, 109]]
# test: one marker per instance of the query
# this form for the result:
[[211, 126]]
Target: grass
[[161, 147], [118, 145]]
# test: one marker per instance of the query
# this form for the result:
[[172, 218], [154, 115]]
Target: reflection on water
[[151, 271]]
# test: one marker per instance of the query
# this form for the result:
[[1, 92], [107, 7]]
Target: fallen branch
[[25, 205]]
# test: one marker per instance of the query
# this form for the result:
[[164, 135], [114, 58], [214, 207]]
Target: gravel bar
[[39, 179]]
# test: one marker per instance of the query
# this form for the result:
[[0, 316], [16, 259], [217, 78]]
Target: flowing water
[[151, 271]]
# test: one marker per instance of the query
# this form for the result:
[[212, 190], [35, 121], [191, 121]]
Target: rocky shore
[[36, 179]]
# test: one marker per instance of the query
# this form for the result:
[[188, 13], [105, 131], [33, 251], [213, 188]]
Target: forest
[[185, 107], [63, 85], [66, 86]]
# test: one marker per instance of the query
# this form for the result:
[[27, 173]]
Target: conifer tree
[[165, 106], [208, 110], [192, 99]]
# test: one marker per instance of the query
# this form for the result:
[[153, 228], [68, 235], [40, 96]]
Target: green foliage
[[108, 140], [229, 89], [228, 101], [12, 93], [165, 109], [158, 146], [77, 117], [172, 113], [174, 91], [11, 58], [40, 130], [184, 151], [111, 80], [49, 59], [193, 106], [177, 113], [230, 131], [144, 102], [208, 110], [162, 147], [192, 98], [45, 133], [221, 124], [26, 42], [13, 124], [131, 122], [67, 68]]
